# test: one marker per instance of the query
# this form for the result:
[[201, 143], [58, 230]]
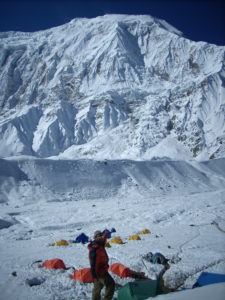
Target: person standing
[[99, 267]]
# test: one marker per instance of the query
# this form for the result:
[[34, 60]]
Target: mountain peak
[[122, 84]]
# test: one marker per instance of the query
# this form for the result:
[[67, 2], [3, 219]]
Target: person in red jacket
[[99, 267]]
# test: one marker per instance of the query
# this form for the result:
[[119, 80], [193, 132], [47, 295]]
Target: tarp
[[138, 290], [134, 237], [159, 258], [206, 278], [55, 263], [120, 270], [82, 238], [83, 275], [61, 243], [116, 240]]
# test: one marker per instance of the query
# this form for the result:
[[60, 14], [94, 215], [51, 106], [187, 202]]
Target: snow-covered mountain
[[130, 90], [115, 86]]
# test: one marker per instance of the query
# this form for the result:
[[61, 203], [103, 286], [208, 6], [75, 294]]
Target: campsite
[[112, 121], [45, 217]]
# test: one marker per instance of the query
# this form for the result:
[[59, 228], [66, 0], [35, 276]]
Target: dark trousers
[[107, 281]]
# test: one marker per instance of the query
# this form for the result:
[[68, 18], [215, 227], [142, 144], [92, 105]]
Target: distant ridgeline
[[115, 86], [81, 179]]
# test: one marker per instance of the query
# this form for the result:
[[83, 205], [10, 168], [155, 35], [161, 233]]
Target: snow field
[[186, 225]]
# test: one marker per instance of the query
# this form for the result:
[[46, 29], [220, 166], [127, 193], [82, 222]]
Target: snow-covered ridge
[[88, 178], [74, 89]]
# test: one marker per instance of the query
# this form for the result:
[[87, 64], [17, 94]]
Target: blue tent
[[206, 278], [109, 232], [82, 238]]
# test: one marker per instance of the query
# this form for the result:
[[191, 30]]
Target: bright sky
[[199, 20]]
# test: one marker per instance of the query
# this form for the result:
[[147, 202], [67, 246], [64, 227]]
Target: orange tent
[[55, 263], [83, 275], [120, 270]]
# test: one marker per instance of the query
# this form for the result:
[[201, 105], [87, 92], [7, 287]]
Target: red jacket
[[98, 257]]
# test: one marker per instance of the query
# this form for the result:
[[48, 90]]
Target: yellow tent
[[134, 237], [145, 231], [116, 240], [107, 245], [61, 243]]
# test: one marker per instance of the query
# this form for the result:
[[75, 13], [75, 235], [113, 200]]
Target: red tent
[[83, 275], [54, 264], [120, 270]]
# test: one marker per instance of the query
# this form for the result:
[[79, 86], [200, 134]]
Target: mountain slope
[[115, 86]]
